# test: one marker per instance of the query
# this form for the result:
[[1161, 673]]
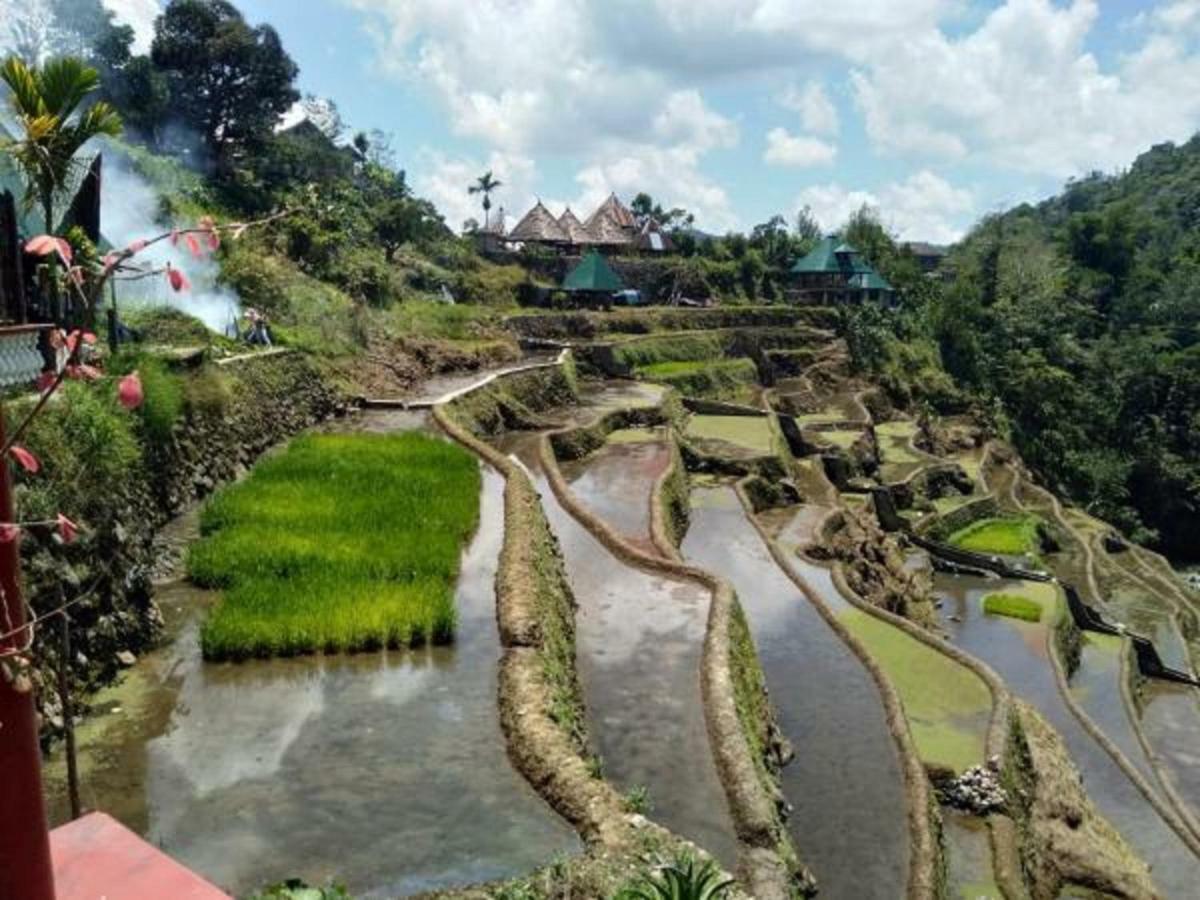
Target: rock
[[126, 658], [1114, 543]]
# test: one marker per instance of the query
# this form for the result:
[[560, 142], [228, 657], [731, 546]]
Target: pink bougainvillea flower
[[193, 245], [67, 530], [89, 338], [214, 240], [177, 279], [129, 391], [46, 381], [8, 532], [46, 244], [27, 460], [110, 261], [136, 247], [174, 237]]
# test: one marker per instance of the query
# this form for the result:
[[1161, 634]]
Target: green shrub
[[341, 543], [295, 889], [166, 325], [671, 348], [1014, 606], [208, 392], [491, 285], [725, 379], [363, 273], [87, 448], [684, 878], [163, 403]]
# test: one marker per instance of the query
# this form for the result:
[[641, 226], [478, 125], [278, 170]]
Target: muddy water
[[1018, 652], [968, 857], [385, 771], [617, 481], [849, 821], [638, 645]]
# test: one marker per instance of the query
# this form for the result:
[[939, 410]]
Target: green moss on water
[[724, 379], [1014, 606], [751, 432], [1010, 536], [340, 543], [947, 705]]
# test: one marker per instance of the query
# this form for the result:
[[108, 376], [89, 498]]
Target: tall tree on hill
[[229, 81], [484, 185]]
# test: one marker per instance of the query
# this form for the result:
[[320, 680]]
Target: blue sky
[[935, 111]]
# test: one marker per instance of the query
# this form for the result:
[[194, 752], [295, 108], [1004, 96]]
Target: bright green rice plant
[[1014, 606], [341, 543]]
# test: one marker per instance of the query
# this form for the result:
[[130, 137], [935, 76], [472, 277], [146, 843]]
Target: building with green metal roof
[[834, 272]]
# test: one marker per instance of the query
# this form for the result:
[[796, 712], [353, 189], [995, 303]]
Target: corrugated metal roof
[[837, 257]]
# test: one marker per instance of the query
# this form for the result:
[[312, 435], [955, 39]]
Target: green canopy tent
[[592, 279]]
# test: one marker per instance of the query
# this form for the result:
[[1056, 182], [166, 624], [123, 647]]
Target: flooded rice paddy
[[845, 784], [1019, 652], [386, 771], [639, 638]]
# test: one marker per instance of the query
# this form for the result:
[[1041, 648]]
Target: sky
[[936, 112]]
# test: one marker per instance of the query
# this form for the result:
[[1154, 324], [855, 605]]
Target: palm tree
[[46, 105], [485, 184]]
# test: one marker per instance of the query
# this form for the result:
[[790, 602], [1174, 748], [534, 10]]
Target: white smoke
[[129, 208]]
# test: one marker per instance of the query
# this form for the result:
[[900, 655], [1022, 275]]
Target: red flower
[[8, 532], [129, 391], [27, 460], [46, 381], [194, 245], [67, 530]]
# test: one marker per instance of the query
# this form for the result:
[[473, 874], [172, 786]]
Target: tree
[[405, 219], [808, 229], [644, 208], [47, 104], [484, 185], [229, 82]]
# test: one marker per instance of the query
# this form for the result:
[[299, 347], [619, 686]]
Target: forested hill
[[1081, 316]]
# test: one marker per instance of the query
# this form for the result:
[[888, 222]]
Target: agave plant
[[685, 878]]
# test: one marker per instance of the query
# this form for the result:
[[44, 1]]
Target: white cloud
[[1022, 91], [785, 149], [922, 207], [138, 14], [817, 112]]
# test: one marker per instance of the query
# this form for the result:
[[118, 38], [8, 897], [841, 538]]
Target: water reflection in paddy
[[639, 638], [1017, 651], [386, 771], [849, 821]]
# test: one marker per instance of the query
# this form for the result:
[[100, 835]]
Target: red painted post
[[25, 869]]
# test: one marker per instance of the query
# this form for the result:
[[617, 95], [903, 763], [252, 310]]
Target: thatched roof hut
[[539, 227], [605, 231], [574, 228], [615, 210]]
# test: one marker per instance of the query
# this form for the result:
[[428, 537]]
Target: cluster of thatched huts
[[611, 227]]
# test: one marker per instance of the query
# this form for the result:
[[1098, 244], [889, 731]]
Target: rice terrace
[[567, 469]]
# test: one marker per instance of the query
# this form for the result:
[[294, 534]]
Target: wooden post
[[25, 868], [68, 712]]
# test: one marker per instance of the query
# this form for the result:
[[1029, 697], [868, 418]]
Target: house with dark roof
[[834, 272]]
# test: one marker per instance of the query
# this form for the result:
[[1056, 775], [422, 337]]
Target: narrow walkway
[[849, 821]]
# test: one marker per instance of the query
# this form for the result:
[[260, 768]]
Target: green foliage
[[458, 322], [684, 878], [229, 82], [208, 392], [162, 389], [295, 889], [166, 326], [637, 800], [491, 285], [340, 543], [671, 348], [1014, 606], [87, 448]]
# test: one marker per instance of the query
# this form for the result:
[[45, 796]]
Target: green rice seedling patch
[[843, 440], [670, 348], [1010, 535], [751, 432], [724, 379], [948, 706], [1014, 606], [339, 543], [895, 443]]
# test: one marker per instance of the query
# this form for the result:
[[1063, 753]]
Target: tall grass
[[340, 543]]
